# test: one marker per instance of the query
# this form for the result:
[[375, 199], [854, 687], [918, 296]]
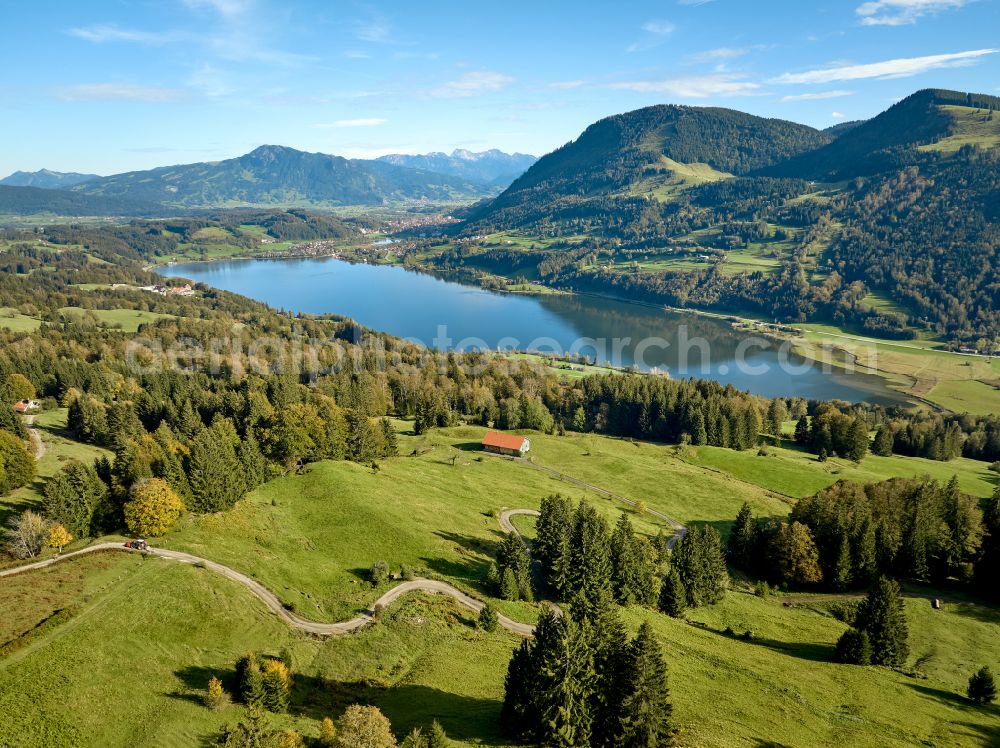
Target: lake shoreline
[[555, 323]]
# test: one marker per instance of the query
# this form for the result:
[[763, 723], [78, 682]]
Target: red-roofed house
[[506, 444], [25, 405]]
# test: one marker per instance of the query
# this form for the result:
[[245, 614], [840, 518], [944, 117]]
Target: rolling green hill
[[891, 140], [619, 152]]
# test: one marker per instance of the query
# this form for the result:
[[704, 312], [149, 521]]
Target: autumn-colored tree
[[796, 554], [59, 537], [288, 739], [364, 727], [20, 387], [152, 508], [216, 697], [277, 685], [17, 464], [641, 507], [327, 733]]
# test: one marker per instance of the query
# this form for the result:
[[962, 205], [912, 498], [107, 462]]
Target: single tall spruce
[[646, 709], [883, 617], [673, 596], [743, 539]]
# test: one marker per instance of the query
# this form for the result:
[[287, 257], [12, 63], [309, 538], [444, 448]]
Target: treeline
[[580, 556], [849, 535]]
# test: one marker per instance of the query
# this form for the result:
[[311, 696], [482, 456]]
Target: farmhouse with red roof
[[506, 444]]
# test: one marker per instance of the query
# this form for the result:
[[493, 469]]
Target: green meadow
[[143, 636]]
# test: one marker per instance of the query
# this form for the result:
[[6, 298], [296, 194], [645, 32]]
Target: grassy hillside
[[145, 635]]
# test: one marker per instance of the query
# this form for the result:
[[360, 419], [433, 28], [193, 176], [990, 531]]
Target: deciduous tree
[[152, 508]]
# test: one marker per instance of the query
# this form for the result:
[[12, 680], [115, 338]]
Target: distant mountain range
[[274, 176], [46, 179], [491, 167]]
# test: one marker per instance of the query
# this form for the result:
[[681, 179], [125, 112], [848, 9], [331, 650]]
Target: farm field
[[127, 320]]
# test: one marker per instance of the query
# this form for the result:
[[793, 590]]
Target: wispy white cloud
[[899, 68], [694, 86], [693, 2], [654, 31], [837, 115], [566, 85], [101, 33], [719, 54], [239, 36], [816, 96], [118, 92], [660, 28], [359, 122], [375, 29], [903, 12], [471, 84]]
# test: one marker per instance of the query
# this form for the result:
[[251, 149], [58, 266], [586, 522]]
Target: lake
[[447, 315]]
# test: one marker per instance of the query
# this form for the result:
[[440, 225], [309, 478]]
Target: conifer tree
[[252, 461], [565, 686], [699, 560], [250, 680], [390, 444], [988, 565], [802, 434], [982, 687], [488, 620], [518, 715], [509, 589], [743, 539], [882, 446], [590, 558], [673, 596], [883, 617], [646, 708], [853, 648], [609, 643], [626, 564], [437, 738]]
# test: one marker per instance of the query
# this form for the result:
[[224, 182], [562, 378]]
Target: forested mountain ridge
[[885, 142], [46, 179], [21, 201], [277, 175], [618, 152], [912, 218]]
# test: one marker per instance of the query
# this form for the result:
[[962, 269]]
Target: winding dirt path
[[36, 436], [679, 529], [432, 586], [271, 600]]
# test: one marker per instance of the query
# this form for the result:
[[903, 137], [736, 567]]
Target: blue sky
[[110, 85]]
